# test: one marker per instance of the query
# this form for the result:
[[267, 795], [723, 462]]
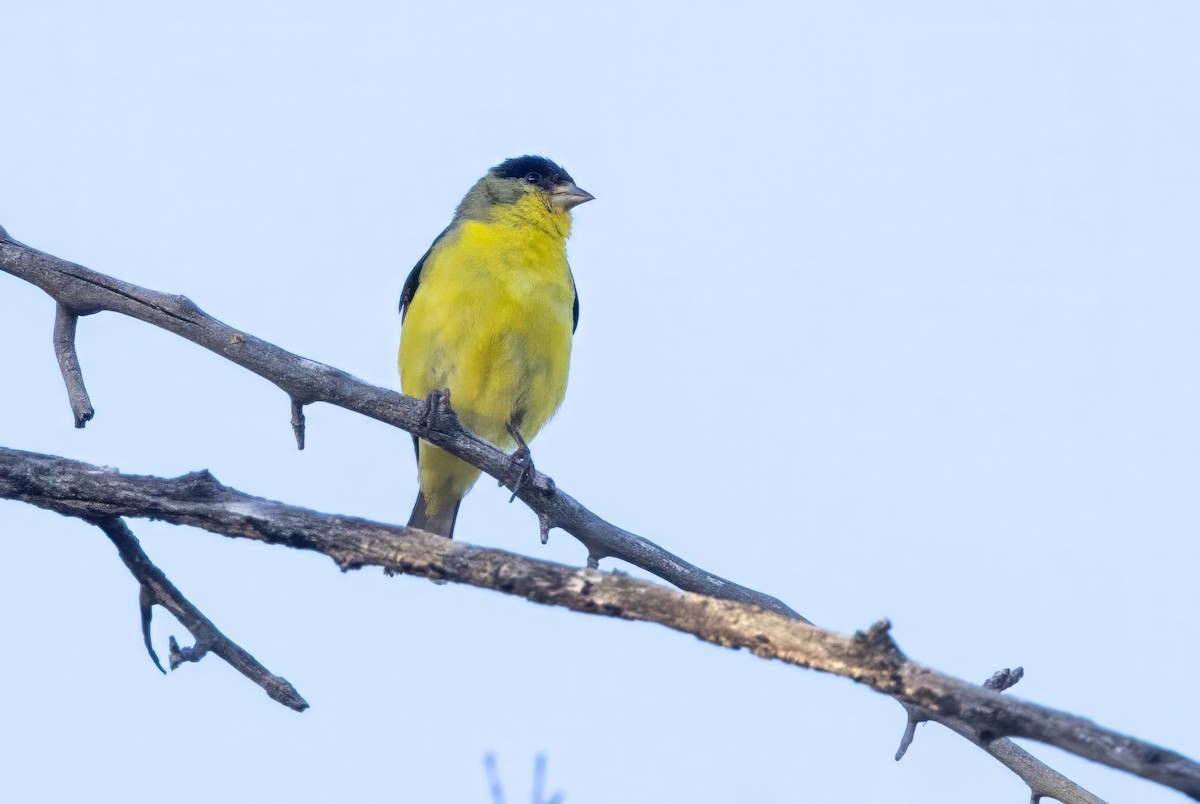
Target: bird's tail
[[441, 523]]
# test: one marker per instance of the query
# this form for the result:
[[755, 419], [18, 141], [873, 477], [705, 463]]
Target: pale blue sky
[[887, 309]]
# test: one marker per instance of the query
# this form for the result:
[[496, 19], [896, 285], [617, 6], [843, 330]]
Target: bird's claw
[[520, 470], [520, 466], [437, 413]]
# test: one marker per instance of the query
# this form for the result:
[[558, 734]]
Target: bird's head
[[527, 189]]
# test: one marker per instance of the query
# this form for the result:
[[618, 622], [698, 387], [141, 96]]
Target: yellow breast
[[491, 320]]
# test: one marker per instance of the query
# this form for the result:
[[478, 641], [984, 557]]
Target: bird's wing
[[406, 297], [575, 306], [414, 276]]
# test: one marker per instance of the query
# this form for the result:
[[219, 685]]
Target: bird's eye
[[533, 178]]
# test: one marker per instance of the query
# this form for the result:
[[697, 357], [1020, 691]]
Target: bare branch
[[1043, 781], [306, 381], [999, 681], [869, 657], [157, 588]]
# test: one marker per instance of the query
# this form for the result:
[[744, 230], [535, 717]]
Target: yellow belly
[[491, 321]]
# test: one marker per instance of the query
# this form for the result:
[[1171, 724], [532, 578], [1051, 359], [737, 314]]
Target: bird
[[487, 318]]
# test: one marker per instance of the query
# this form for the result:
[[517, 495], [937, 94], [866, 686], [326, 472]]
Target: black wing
[[575, 307], [406, 297], [414, 276]]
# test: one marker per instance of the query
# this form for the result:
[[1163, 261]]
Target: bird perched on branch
[[488, 314]]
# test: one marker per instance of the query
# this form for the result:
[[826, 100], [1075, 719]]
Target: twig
[[156, 588], [869, 657], [1000, 681], [539, 783], [298, 422], [1005, 679], [493, 774], [915, 717], [539, 778], [146, 610], [68, 364], [1043, 781]]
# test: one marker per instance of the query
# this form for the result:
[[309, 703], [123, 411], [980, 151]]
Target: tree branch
[[157, 588], [81, 291], [306, 381], [1000, 681], [869, 657]]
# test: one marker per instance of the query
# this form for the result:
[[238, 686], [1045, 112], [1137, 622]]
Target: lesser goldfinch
[[488, 314]]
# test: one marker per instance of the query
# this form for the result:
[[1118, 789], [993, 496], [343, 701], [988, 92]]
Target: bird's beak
[[567, 196]]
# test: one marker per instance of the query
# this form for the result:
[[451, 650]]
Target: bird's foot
[[520, 465], [520, 471], [437, 413]]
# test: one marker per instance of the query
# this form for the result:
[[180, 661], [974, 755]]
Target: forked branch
[[84, 291], [979, 714], [869, 657], [156, 588]]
